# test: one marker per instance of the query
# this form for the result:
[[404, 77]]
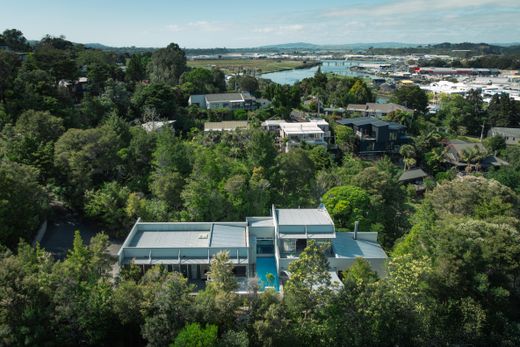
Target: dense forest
[[71, 137]]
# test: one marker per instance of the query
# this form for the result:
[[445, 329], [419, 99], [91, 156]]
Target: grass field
[[258, 66]]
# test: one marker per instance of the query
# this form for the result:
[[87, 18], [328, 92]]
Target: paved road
[[60, 235]]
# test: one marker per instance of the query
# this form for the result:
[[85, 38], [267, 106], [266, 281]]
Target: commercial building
[[256, 247], [232, 101]]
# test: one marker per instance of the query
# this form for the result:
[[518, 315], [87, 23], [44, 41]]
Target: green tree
[[14, 39], [136, 68], [193, 335], [23, 202], [107, 205], [86, 157], [167, 65], [348, 204], [412, 97], [166, 307]]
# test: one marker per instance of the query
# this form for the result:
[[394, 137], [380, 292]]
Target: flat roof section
[[170, 239], [345, 246], [303, 216], [231, 236]]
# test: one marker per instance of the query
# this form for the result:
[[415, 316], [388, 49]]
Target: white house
[[257, 247]]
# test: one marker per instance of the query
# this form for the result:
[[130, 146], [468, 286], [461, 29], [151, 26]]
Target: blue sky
[[155, 23]]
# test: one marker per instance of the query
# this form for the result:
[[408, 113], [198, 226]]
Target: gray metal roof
[[412, 175], [170, 239], [228, 97], [303, 216], [513, 132], [346, 247], [360, 121], [228, 236]]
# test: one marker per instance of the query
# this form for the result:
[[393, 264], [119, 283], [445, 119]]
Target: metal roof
[[345, 246], [228, 236], [303, 216], [225, 125], [412, 175], [228, 97], [360, 121], [513, 132], [170, 239]]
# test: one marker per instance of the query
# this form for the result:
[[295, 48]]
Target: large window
[[288, 246], [264, 246]]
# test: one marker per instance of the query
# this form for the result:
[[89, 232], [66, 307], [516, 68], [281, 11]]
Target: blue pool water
[[263, 267]]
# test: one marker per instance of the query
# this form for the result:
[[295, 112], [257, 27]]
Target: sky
[[230, 23]]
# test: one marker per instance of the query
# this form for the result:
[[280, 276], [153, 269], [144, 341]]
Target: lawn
[[259, 66]]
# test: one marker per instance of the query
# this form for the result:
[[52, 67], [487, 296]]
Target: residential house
[[228, 125], [463, 155], [293, 134], [257, 247], [511, 135], [375, 137], [414, 177], [232, 101], [376, 110]]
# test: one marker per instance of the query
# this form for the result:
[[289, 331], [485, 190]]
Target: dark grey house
[[376, 137]]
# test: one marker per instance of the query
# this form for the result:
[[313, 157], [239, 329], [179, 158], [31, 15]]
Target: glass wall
[[264, 246]]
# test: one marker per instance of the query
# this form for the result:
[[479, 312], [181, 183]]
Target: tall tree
[[167, 65]]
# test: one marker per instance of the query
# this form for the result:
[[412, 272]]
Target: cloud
[[280, 29]]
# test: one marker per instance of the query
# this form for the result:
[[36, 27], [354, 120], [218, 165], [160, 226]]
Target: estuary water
[[339, 67]]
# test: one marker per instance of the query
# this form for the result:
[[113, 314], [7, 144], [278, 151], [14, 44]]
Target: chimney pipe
[[356, 227]]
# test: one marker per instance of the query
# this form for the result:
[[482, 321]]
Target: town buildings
[[232, 101], [256, 247]]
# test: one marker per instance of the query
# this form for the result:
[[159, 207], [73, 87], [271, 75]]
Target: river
[[339, 67]]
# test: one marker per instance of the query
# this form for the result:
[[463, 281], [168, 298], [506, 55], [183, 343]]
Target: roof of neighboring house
[[461, 146], [151, 126], [513, 132], [225, 125], [303, 216], [301, 128], [360, 121], [413, 174], [228, 97], [379, 108]]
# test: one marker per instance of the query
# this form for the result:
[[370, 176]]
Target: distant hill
[[347, 46]]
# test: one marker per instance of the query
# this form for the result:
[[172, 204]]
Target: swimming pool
[[266, 266]]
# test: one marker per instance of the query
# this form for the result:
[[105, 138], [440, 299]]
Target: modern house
[[511, 135], [376, 137], [228, 125], [232, 101], [256, 247], [462, 154], [293, 134], [376, 110]]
